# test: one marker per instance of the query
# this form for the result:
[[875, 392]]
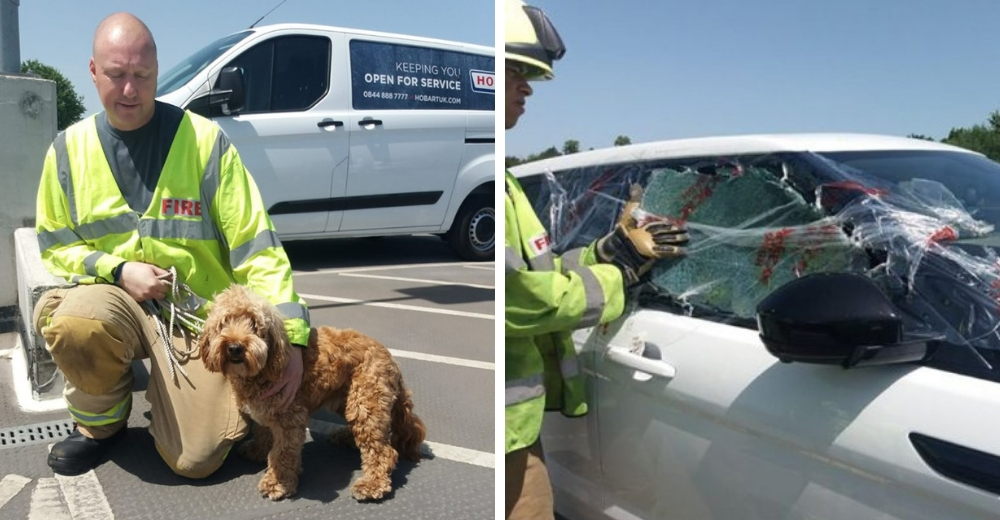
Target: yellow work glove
[[634, 246]]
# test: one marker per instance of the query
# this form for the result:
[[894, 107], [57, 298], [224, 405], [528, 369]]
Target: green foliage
[[511, 161], [571, 146], [984, 139], [622, 140], [69, 104]]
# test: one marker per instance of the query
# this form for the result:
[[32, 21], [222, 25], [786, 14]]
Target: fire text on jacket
[[185, 207]]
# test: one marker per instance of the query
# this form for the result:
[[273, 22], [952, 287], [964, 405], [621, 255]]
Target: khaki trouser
[[529, 492], [93, 333]]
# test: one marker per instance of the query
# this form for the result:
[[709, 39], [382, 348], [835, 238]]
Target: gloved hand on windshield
[[635, 245]]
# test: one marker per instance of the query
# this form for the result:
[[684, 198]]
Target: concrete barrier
[[27, 128], [32, 281]]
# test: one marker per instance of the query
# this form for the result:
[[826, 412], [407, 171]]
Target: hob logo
[[482, 81]]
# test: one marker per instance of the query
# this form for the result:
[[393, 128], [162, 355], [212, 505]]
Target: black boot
[[78, 453]]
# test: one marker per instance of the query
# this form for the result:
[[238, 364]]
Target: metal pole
[[10, 37]]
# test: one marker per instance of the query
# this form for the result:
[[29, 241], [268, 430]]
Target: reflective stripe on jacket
[[206, 219], [545, 298]]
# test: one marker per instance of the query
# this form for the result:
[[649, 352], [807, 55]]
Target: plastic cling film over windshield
[[757, 223]]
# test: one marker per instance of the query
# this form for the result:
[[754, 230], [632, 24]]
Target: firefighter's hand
[[144, 281], [634, 244], [291, 380]]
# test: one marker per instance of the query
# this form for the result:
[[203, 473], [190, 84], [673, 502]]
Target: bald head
[[124, 70], [121, 27]]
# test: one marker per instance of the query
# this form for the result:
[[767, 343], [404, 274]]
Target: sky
[[60, 33], [689, 68]]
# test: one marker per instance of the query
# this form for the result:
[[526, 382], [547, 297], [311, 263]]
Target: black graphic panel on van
[[391, 76]]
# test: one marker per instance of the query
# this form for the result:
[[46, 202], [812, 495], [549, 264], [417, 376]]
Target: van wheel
[[473, 233]]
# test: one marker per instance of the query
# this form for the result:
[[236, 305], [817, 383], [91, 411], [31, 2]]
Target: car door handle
[[648, 363], [366, 122], [329, 122], [972, 467]]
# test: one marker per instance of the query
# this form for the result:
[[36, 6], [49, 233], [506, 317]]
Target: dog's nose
[[235, 350]]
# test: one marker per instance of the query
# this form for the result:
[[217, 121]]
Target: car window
[[750, 233], [180, 74], [758, 222], [288, 73]]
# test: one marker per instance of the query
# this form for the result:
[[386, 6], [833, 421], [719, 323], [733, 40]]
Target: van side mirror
[[836, 318], [229, 97]]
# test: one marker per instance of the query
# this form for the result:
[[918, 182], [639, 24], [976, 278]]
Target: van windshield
[[181, 73]]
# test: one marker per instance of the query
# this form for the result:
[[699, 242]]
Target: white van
[[354, 133]]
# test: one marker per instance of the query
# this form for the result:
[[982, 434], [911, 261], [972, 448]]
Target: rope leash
[[181, 303]]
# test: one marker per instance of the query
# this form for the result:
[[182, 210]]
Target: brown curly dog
[[344, 371]]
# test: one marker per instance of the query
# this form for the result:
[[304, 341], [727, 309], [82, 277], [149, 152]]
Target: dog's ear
[[211, 358], [272, 331]]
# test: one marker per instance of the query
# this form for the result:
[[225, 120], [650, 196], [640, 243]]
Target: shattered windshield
[[921, 224], [180, 74]]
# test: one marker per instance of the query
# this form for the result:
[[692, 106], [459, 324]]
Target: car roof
[[732, 145], [293, 27]]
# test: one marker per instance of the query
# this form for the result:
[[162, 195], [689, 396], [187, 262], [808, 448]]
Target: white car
[[352, 133], [828, 349]]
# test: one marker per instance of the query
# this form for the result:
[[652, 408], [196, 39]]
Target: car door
[[407, 139], [694, 419], [717, 428], [291, 134]]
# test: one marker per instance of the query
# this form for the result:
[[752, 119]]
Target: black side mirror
[[229, 97], [836, 318]]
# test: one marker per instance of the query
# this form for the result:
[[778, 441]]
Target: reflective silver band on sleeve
[[592, 289], [264, 240], [65, 175], [90, 263], [513, 260], [124, 223], [517, 391], [210, 184], [64, 236], [292, 310], [542, 262]]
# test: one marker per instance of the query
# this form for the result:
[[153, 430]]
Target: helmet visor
[[546, 33]]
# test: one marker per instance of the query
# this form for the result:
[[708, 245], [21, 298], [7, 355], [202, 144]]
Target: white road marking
[[85, 497], [47, 502], [398, 306], [433, 358], [10, 486], [376, 268], [435, 449], [459, 454], [487, 266], [417, 280]]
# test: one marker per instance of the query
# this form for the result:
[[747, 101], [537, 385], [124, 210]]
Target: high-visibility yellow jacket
[[546, 297], [206, 219]]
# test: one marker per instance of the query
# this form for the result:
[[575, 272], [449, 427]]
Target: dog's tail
[[408, 431]]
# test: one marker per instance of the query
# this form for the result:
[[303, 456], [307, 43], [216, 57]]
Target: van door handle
[[649, 362], [969, 466], [329, 122], [366, 122]]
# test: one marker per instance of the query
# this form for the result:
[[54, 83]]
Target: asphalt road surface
[[434, 312]]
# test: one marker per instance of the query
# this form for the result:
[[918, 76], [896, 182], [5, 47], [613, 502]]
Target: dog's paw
[[370, 488], [274, 489]]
